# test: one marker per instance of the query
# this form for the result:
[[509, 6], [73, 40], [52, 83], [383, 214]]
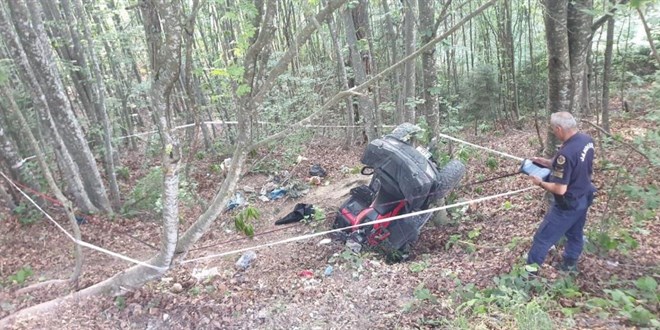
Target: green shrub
[[20, 276], [242, 220], [27, 214], [145, 198]]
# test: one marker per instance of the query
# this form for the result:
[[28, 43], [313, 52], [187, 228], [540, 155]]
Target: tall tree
[[409, 78], [100, 105], [365, 105], [32, 54], [607, 71]]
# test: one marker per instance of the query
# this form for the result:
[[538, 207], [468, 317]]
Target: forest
[[148, 147]]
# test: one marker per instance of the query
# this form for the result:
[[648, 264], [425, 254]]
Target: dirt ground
[[312, 284]]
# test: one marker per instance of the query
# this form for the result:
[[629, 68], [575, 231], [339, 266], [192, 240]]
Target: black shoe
[[300, 211], [568, 265]]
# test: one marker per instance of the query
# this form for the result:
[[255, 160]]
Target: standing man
[[570, 183]]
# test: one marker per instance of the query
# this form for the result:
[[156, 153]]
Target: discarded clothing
[[236, 201], [277, 193], [300, 211], [317, 170]]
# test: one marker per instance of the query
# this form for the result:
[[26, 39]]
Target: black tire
[[449, 177]]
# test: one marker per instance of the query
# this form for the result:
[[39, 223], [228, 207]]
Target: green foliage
[[533, 316], [648, 195], [423, 294], [242, 220], [120, 302], [27, 214], [602, 243], [482, 98], [417, 267], [450, 106], [492, 163], [289, 149], [316, 219], [349, 258], [145, 198], [215, 168], [515, 299], [123, 173], [634, 304], [20, 276], [195, 291]]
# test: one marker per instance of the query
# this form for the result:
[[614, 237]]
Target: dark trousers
[[560, 221]]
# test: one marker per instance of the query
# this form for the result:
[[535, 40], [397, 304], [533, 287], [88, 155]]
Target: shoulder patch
[[561, 160]]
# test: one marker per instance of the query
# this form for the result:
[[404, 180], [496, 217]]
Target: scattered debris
[[277, 193], [317, 170], [328, 271], [245, 260], [237, 201], [297, 189], [177, 288], [315, 180], [306, 273], [300, 211], [202, 274], [269, 186], [325, 241], [226, 164]]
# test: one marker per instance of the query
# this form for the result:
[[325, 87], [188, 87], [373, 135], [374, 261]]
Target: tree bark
[[607, 71], [11, 157], [27, 73], [364, 105], [427, 33], [559, 72], [579, 41], [343, 81], [395, 82], [66, 204], [40, 54], [409, 37], [649, 36], [101, 110]]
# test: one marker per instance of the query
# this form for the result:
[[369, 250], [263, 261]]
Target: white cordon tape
[[299, 238], [235, 122], [480, 147], [79, 242]]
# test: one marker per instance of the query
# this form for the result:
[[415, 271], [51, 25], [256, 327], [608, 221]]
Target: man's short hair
[[563, 119]]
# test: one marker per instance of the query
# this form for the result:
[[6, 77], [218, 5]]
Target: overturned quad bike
[[405, 179]]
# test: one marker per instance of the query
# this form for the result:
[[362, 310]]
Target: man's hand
[[542, 161], [535, 180]]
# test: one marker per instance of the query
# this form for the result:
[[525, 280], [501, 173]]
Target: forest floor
[[464, 273]]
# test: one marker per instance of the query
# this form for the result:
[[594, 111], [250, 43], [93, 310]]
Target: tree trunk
[[649, 36], [395, 82], [27, 73], [607, 71], [66, 204], [63, 28], [101, 110], [343, 82], [427, 33], [578, 23], [365, 105], [11, 157], [40, 54], [559, 73], [409, 68]]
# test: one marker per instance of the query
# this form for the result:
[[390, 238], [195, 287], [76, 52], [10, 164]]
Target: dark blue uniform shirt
[[573, 166]]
